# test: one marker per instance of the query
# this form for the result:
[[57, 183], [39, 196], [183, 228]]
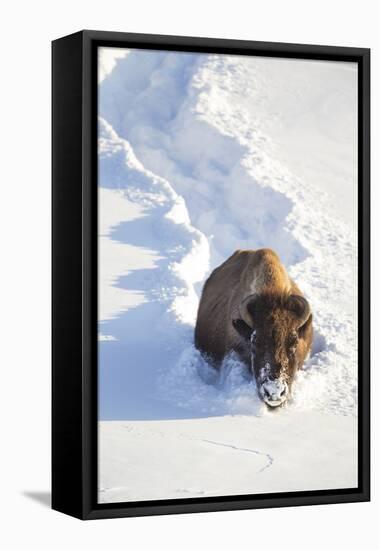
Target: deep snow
[[201, 155]]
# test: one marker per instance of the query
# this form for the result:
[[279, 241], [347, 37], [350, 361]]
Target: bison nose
[[274, 392]]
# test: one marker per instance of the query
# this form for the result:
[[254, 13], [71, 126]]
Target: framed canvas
[[210, 274]]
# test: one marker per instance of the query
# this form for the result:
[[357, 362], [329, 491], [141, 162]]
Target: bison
[[250, 305]]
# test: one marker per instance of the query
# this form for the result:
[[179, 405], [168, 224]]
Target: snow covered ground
[[200, 155]]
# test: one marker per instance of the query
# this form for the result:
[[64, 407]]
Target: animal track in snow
[[269, 458]]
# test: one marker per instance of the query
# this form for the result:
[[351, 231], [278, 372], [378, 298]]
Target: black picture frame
[[74, 272]]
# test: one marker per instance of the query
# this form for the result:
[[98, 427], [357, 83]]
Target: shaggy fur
[[250, 305]]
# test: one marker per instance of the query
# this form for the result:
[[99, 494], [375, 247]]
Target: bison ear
[[242, 328], [300, 307]]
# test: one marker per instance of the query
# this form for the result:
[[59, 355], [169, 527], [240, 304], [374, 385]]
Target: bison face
[[277, 332]]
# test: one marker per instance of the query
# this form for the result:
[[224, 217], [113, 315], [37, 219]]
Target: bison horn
[[300, 307], [246, 308]]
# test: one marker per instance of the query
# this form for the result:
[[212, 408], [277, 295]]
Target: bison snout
[[274, 392]]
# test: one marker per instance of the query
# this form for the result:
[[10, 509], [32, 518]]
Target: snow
[[201, 155], [224, 456], [108, 59]]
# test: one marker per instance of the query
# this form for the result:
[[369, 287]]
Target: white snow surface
[[229, 455], [200, 155]]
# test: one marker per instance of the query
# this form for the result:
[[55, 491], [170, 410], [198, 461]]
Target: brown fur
[[259, 273]]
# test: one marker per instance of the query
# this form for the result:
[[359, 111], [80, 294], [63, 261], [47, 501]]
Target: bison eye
[[292, 344], [255, 340]]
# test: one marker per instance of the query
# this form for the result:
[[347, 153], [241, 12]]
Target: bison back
[[214, 334]]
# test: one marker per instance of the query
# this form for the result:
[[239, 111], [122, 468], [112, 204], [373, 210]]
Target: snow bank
[[150, 259]]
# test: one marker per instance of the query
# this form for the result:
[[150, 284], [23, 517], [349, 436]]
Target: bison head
[[278, 332]]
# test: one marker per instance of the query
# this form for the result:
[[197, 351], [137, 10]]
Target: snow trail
[[173, 137]]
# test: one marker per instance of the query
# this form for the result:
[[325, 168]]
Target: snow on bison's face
[[278, 333]]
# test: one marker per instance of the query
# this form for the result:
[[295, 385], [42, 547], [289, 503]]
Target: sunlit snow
[[200, 155]]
